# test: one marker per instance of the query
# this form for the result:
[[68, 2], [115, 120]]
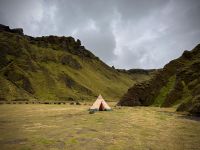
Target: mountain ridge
[[56, 68]]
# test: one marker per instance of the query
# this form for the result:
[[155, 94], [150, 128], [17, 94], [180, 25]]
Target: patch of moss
[[45, 141], [73, 141], [186, 96], [164, 91]]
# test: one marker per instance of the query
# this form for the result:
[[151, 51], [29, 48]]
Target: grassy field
[[71, 127]]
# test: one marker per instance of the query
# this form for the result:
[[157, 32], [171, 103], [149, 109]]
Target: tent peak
[[100, 97]]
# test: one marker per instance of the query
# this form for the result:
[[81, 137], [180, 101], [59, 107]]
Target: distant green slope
[[56, 68]]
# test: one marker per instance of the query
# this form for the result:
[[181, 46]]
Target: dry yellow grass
[[26, 127]]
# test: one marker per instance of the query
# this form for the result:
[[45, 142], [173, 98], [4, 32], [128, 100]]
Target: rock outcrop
[[138, 71], [15, 30]]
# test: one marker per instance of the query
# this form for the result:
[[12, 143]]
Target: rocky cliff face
[[55, 68], [178, 83], [15, 30]]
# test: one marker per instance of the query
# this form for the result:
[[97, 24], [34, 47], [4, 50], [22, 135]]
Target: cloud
[[23, 13], [123, 33]]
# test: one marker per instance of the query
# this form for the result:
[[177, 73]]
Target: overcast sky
[[124, 33]]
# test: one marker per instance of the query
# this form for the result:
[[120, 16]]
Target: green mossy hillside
[[176, 85], [56, 68]]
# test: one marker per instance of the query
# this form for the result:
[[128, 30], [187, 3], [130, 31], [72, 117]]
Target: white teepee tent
[[100, 105]]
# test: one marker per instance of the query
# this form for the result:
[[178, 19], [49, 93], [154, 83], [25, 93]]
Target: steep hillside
[[55, 68], [177, 84]]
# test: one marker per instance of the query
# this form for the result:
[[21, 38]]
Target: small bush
[[72, 103], [77, 103], [91, 112]]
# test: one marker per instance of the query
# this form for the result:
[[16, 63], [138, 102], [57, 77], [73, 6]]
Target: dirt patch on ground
[[14, 141]]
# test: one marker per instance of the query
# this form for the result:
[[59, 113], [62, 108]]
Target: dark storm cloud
[[124, 33]]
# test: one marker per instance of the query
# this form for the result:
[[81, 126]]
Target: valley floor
[[39, 126]]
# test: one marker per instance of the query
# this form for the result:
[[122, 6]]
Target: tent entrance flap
[[101, 108]]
